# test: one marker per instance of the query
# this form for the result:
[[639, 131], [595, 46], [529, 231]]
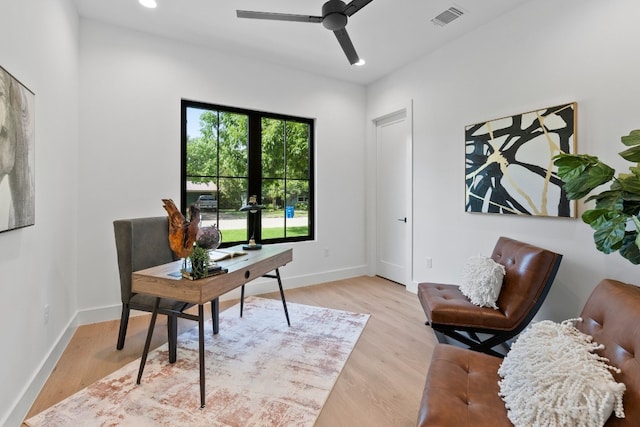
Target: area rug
[[259, 372]]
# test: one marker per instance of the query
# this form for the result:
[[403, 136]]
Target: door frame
[[372, 177]]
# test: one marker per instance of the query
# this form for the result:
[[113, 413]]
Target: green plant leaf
[[596, 217], [632, 139], [614, 207], [631, 207], [608, 238], [630, 249], [628, 196], [578, 185], [631, 154], [572, 165], [610, 200], [629, 183]]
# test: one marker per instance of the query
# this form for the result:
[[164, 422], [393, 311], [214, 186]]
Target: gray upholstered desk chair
[[142, 243]]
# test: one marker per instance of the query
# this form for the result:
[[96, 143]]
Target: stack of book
[[214, 270]]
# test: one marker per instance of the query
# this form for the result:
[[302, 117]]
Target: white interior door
[[393, 197]]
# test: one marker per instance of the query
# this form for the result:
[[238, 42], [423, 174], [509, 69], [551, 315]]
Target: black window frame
[[254, 166]]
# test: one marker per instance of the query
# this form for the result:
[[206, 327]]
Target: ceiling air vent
[[447, 16]]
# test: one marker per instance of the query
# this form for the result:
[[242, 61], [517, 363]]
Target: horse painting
[[17, 188]]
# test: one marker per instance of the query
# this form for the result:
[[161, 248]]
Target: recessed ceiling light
[[151, 4], [360, 62]]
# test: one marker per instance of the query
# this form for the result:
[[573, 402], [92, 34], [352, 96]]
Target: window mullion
[[255, 169], [284, 174]]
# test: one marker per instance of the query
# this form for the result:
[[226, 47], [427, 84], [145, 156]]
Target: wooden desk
[[159, 282]]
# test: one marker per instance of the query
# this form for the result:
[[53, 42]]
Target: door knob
[[402, 219]]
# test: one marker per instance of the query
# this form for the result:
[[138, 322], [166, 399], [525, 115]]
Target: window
[[230, 154]]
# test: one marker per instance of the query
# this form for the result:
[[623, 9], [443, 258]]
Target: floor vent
[[447, 16]]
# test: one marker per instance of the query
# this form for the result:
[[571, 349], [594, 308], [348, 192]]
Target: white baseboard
[[25, 399], [266, 285], [101, 314], [412, 287]]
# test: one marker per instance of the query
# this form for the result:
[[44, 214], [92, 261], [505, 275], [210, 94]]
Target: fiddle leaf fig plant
[[615, 215]]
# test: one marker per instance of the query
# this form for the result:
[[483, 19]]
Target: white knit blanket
[[553, 377]]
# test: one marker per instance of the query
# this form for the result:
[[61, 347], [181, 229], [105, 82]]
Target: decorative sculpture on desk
[[182, 233], [252, 207], [209, 237]]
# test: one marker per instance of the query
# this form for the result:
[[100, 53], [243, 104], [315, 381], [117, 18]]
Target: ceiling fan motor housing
[[333, 16]]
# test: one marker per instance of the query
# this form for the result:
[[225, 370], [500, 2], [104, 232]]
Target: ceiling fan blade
[[347, 46], [354, 6], [277, 16]]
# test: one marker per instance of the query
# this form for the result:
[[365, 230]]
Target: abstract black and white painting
[[509, 163], [17, 157]]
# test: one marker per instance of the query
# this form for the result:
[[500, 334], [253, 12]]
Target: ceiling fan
[[335, 14]]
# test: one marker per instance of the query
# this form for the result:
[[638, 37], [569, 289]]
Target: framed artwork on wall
[[17, 153], [509, 167]]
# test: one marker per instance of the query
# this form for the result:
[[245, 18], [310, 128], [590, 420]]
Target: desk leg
[[172, 328], [241, 300], [147, 343], [284, 303], [215, 315], [201, 339]]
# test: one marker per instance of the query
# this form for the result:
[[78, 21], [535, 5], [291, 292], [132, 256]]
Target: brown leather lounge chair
[[462, 388], [530, 271]]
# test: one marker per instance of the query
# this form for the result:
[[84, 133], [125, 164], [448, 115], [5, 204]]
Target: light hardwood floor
[[381, 384]]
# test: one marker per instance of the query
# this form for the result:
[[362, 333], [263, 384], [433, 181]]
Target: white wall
[[108, 148], [542, 54], [131, 86], [39, 46]]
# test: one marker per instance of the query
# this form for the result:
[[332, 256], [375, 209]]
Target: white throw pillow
[[482, 280], [553, 377]]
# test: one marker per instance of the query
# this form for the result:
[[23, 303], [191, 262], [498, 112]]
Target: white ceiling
[[386, 33]]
